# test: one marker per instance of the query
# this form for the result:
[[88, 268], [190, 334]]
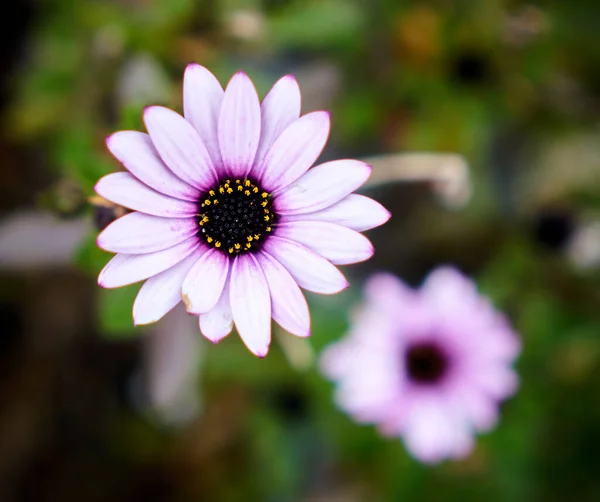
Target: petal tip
[[142, 322], [289, 78], [99, 242], [192, 65], [262, 353], [109, 140]]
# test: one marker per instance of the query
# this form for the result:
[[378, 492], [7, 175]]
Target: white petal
[[126, 269], [126, 190], [288, 305], [251, 304], [141, 233], [338, 244], [239, 125], [322, 186], [278, 110], [136, 152], [357, 212], [310, 270], [180, 147], [204, 284], [217, 324], [202, 98], [294, 151], [434, 431], [161, 293]]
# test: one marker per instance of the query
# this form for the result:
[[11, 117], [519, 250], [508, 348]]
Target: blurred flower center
[[426, 363], [235, 216]]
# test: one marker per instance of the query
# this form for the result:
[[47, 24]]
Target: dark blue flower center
[[236, 216], [426, 363]]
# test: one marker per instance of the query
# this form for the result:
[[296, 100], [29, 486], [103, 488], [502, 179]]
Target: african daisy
[[430, 366], [228, 213]]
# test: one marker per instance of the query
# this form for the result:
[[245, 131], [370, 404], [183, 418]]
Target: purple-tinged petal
[[180, 147], [139, 233], [202, 98], [322, 186], [161, 293], [126, 190], [251, 304], [278, 110], [340, 245], [294, 151], [288, 305], [204, 284], [136, 152], [357, 212], [434, 431], [239, 125], [126, 269], [310, 270], [217, 324]]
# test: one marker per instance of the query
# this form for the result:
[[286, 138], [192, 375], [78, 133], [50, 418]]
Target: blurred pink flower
[[430, 366], [228, 214]]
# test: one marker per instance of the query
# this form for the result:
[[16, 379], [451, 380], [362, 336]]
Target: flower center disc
[[235, 216], [426, 363]]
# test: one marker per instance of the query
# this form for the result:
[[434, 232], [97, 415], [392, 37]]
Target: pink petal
[[239, 125], [126, 269], [180, 147], [288, 305], [278, 110], [310, 270], [203, 285], [136, 152], [354, 211], [217, 324], [294, 151], [126, 190], [434, 431], [338, 244], [251, 304], [202, 98], [322, 186], [161, 293], [141, 233]]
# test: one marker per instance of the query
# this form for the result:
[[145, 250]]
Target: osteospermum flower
[[228, 213], [430, 366]]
